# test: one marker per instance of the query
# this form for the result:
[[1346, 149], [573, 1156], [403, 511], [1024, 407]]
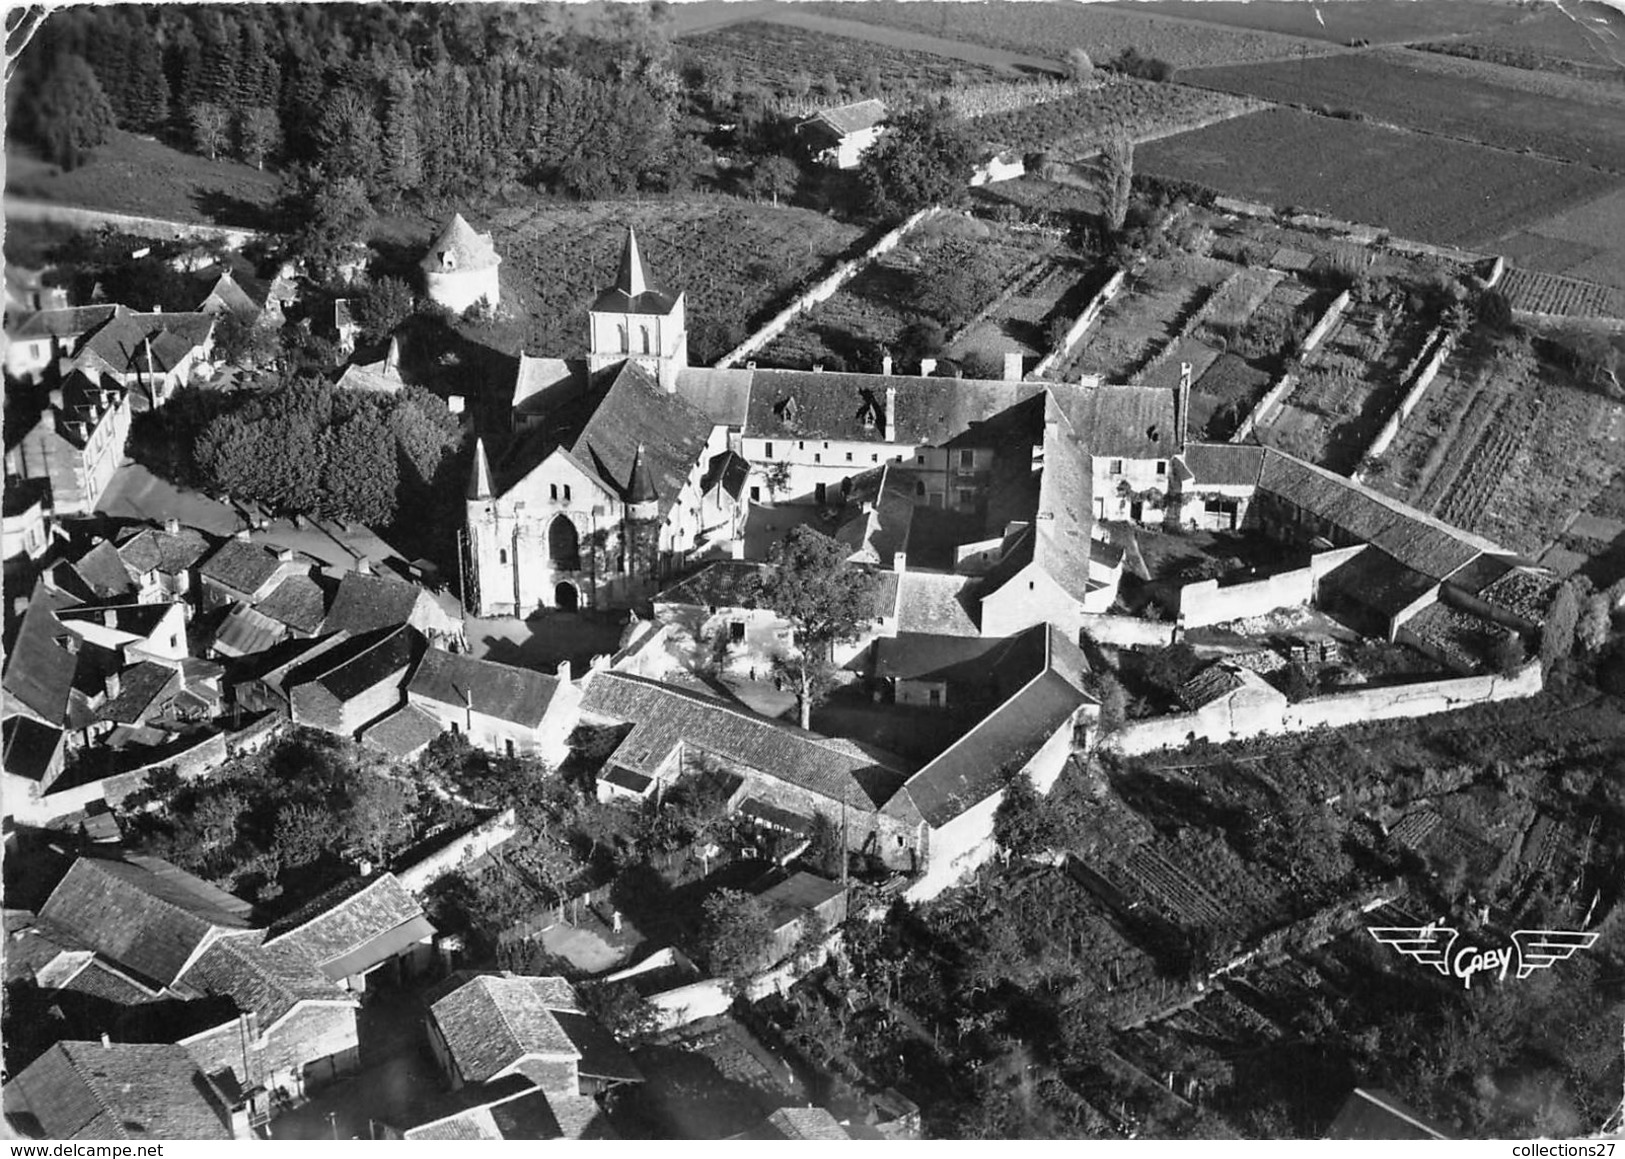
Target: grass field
[[1077, 125], [140, 176], [1399, 90], [1583, 38], [1379, 21], [1050, 29], [873, 308], [1420, 187], [773, 54], [1586, 242]]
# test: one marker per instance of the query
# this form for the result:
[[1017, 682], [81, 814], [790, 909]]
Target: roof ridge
[[341, 902], [93, 1088], [163, 901]]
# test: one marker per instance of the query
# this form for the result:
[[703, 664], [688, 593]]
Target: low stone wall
[[1125, 631], [825, 289], [1205, 602], [1091, 313], [1443, 344], [1288, 380], [480, 840]]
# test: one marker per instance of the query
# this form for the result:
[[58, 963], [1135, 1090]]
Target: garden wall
[[825, 289], [475, 843], [1205, 602], [1288, 380], [1413, 397], [1090, 314], [1125, 631]]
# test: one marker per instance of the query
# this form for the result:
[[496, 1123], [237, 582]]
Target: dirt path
[[27, 209]]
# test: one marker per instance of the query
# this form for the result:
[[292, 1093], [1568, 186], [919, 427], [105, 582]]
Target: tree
[[825, 850], [382, 307], [958, 279], [735, 934], [1596, 621], [259, 132], [924, 338], [69, 114], [1117, 179], [336, 216], [348, 138], [826, 600], [361, 472], [242, 343], [774, 177], [1557, 633], [1508, 655], [210, 128], [1021, 824], [1079, 66], [1113, 703], [378, 820], [925, 157]]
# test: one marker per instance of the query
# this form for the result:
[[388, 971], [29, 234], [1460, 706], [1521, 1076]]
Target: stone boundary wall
[[1443, 343], [1205, 602], [1091, 313], [26, 209], [1125, 631], [1583, 321], [477, 842], [1353, 231], [1288, 380], [825, 289]]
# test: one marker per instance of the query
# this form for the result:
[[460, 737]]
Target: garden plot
[[1352, 384], [905, 286], [1253, 347], [1544, 293], [1144, 318], [1023, 323]]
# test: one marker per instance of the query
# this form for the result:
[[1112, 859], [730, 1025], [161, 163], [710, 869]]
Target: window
[[1162, 466], [967, 459], [454, 729], [849, 456], [817, 458], [502, 555], [755, 494], [567, 492], [874, 458], [1117, 466], [936, 698], [919, 487], [643, 331], [507, 744], [626, 342], [736, 631], [553, 492], [767, 450], [1029, 585], [919, 460], [802, 446], [823, 493]]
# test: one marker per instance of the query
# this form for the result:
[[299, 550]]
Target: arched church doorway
[[565, 598], [564, 544]]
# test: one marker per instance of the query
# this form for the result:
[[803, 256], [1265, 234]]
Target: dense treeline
[[432, 100]]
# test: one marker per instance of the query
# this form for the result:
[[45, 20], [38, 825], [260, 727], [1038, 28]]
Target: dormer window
[[1152, 433], [787, 409]]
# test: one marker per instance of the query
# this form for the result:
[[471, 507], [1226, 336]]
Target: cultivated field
[[1542, 293], [872, 309], [1050, 29], [138, 175], [783, 58], [1379, 21], [1586, 242], [1401, 89], [736, 263], [1410, 184], [1583, 39], [1077, 125], [1504, 445]]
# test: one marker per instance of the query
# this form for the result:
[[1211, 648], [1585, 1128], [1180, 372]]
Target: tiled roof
[[134, 619], [973, 768], [723, 394], [664, 717], [881, 501], [798, 894], [1224, 464], [403, 733], [806, 1123], [364, 918], [245, 632], [233, 297], [124, 1090], [1209, 685], [139, 686], [102, 573], [30, 747], [297, 602], [490, 1023], [853, 118], [67, 323], [602, 1057], [1418, 541], [467, 249], [722, 584], [1130, 422], [942, 605], [155, 549], [1377, 580], [578, 1117], [517, 695], [360, 663], [40, 670], [122, 340], [365, 602], [265, 980], [1059, 540], [542, 383], [242, 567], [149, 917], [852, 407], [989, 662], [474, 1123], [726, 472]]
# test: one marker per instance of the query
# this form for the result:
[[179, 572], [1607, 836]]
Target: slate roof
[[67, 323], [852, 118], [29, 747], [139, 687], [365, 602], [404, 733], [1418, 541], [268, 981], [351, 930], [1376, 1114], [633, 291], [492, 1022], [944, 605], [602, 1057], [726, 472], [1223, 464], [297, 602], [723, 393], [1129, 422], [540, 383], [102, 573], [169, 552], [148, 917], [133, 619], [468, 249], [723, 583], [122, 340], [1059, 540], [517, 695], [242, 567], [125, 1090], [882, 501], [360, 663], [603, 429], [981, 661], [40, 670], [664, 717], [831, 405], [972, 769]]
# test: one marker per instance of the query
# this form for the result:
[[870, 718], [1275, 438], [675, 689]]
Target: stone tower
[[460, 268], [637, 320]]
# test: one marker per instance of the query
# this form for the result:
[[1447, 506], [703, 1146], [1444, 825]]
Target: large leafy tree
[[69, 113], [735, 934], [1021, 823], [925, 157], [826, 600]]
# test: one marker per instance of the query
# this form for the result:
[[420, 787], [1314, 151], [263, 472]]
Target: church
[[626, 468]]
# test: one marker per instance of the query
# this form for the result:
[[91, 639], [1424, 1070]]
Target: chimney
[[107, 1043], [392, 360], [899, 562], [109, 618], [736, 549], [818, 368], [239, 1122], [172, 526], [888, 428], [115, 684], [364, 867], [363, 566], [284, 555], [1182, 406], [242, 535], [885, 363], [1012, 366], [563, 672], [928, 367]]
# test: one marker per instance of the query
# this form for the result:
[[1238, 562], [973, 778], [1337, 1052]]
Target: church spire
[[632, 279], [479, 483]]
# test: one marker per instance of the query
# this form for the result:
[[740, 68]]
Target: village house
[[380, 377], [343, 690], [26, 534], [244, 572], [802, 902], [503, 709], [368, 928], [119, 1090], [77, 443], [162, 560], [46, 339], [365, 601], [839, 136], [150, 355]]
